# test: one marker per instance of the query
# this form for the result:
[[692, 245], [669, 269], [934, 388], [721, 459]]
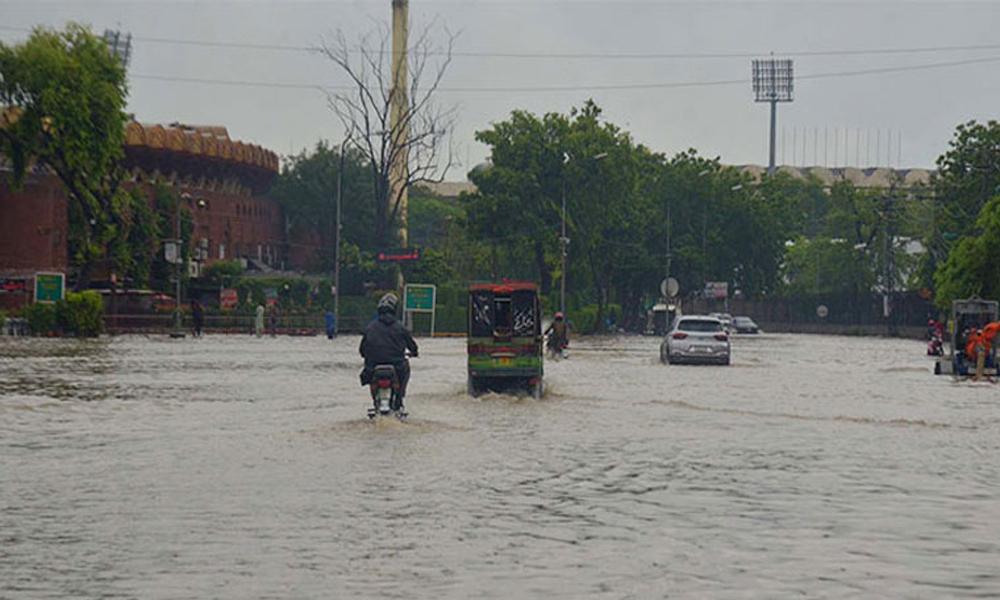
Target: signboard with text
[[13, 285], [398, 255], [419, 298], [228, 298], [271, 296], [49, 287], [718, 290]]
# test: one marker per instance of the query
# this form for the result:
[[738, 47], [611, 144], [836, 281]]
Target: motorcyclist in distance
[[385, 342], [558, 333]]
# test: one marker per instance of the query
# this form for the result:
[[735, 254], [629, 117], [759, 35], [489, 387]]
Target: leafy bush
[[584, 319], [41, 318], [81, 313], [222, 272]]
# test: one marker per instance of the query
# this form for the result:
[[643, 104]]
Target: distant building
[[227, 181], [865, 178]]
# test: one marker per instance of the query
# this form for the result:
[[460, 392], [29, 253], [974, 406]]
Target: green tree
[[64, 95], [307, 191], [167, 204], [973, 266], [825, 266], [517, 205], [137, 234]]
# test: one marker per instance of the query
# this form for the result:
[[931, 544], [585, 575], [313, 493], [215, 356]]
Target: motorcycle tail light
[[680, 336], [385, 383]]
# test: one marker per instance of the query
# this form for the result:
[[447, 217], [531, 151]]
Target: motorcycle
[[935, 340], [384, 388], [556, 349]]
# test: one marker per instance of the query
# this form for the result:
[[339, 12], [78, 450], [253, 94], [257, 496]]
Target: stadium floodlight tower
[[772, 82], [120, 45]]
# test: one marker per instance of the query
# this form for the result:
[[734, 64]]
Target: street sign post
[[49, 287], [419, 298]]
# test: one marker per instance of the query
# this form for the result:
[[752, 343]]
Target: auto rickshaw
[[968, 315], [505, 338]]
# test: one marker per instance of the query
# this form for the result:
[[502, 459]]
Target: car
[[726, 318], [696, 339], [745, 325]]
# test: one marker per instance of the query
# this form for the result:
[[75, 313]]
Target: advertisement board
[[717, 290], [13, 285], [271, 297], [228, 298]]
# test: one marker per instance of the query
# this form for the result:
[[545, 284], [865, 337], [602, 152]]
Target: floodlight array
[[772, 80], [120, 45]]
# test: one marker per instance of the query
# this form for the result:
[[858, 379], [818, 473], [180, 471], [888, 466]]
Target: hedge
[[80, 314]]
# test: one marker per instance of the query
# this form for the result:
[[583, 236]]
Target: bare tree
[[412, 146]]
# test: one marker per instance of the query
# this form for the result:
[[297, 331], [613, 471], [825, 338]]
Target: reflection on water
[[236, 467]]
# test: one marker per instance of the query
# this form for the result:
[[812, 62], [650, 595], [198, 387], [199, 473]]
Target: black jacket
[[385, 341]]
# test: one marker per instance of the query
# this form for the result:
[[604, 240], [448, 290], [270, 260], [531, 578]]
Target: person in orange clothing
[[982, 337]]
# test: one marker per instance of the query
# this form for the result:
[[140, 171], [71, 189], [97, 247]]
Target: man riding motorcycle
[[558, 333], [385, 342]]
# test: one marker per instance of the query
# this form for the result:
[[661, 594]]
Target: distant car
[[696, 339], [726, 319], [745, 325]]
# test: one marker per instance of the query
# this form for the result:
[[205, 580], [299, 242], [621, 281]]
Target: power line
[[573, 55], [579, 88]]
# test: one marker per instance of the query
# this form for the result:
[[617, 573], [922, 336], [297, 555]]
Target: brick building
[[224, 182]]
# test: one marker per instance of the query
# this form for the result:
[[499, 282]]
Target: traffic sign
[[669, 287], [49, 287], [419, 298]]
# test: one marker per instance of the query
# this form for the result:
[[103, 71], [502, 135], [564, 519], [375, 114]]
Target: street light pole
[[563, 242], [178, 331]]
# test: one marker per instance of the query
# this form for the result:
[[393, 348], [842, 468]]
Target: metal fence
[[291, 324]]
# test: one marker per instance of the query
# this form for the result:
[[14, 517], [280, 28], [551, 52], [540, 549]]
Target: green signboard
[[49, 287], [419, 298]]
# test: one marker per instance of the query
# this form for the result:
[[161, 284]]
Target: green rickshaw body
[[505, 337]]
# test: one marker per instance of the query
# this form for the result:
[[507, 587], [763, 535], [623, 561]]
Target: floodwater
[[234, 467]]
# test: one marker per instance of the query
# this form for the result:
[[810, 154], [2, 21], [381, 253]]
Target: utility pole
[[336, 251], [399, 98], [178, 332], [563, 245], [670, 255]]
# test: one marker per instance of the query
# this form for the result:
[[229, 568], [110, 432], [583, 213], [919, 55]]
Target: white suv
[[696, 339]]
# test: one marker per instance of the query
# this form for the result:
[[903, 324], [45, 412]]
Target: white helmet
[[388, 303]]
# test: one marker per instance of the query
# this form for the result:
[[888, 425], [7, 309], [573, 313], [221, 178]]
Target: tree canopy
[[65, 95]]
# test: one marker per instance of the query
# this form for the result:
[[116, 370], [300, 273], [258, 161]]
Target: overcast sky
[[920, 105]]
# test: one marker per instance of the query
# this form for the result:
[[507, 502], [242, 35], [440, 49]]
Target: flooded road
[[232, 467]]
